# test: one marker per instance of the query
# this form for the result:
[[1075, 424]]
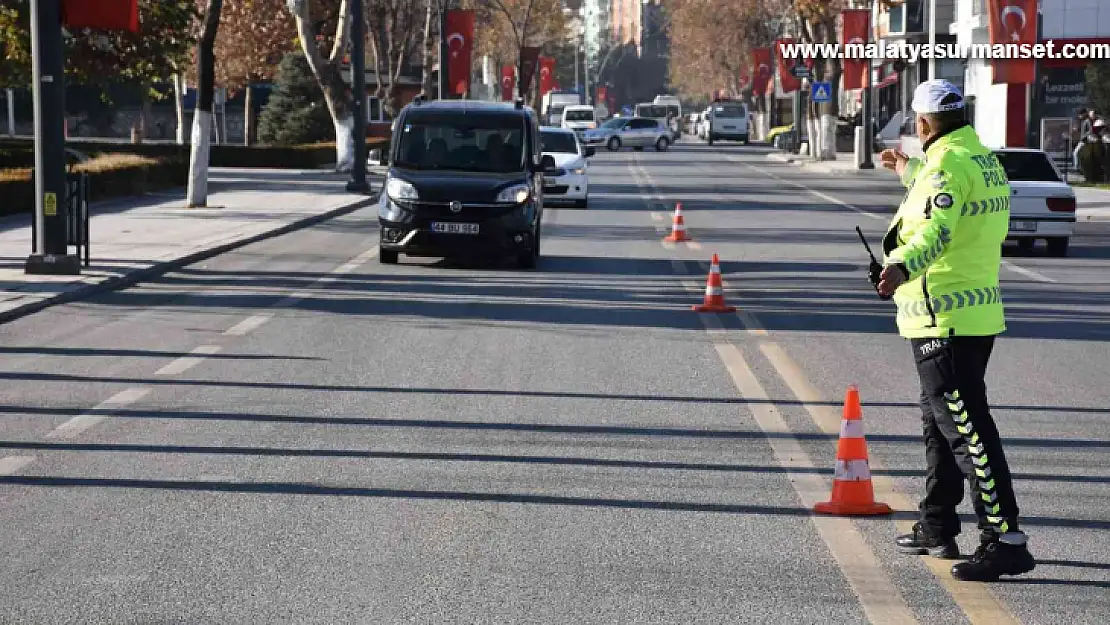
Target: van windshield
[[579, 115], [460, 141], [654, 111]]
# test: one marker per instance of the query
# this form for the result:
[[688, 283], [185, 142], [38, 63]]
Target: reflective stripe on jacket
[[948, 236]]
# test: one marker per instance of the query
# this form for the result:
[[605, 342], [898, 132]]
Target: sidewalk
[[1092, 204], [137, 238], [845, 163]]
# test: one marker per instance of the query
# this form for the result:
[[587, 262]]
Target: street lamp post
[[868, 126], [357, 183], [50, 249]]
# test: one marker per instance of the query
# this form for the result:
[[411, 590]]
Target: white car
[[1042, 204], [569, 182], [579, 118]]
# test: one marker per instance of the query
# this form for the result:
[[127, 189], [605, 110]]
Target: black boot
[[920, 543], [994, 559]]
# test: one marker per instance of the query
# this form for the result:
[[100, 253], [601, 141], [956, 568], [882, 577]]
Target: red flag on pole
[[547, 74], [854, 33], [529, 58], [103, 15], [460, 38], [761, 71], [1013, 22], [508, 73], [789, 83]]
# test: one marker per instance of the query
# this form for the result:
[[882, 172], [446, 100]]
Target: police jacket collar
[[932, 140]]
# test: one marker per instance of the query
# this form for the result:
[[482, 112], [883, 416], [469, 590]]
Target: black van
[[465, 178]]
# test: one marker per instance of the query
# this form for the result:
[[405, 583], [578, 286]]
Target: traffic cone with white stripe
[[714, 291], [678, 227], [852, 492]]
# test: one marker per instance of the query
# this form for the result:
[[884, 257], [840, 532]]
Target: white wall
[[1075, 18], [990, 103]]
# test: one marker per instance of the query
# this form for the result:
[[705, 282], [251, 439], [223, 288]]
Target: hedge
[[110, 176], [20, 153]]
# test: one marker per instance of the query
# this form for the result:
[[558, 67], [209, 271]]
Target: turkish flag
[[101, 14], [603, 95], [761, 71], [529, 58], [547, 74], [508, 73], [853, 32], [1013, 22], [460, 42], [786, 79]]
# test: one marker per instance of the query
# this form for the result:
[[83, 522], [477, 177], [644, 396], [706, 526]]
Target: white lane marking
[[877, 594], [975, 600], [657, 216], [72, 428], [694, 245], [184, 363], [1029, 273], [248, 325], [332, 276], [11, 465]]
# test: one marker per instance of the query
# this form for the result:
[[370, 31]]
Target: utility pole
[[868, 126], [444, 53], [357, 183], [50, 249]]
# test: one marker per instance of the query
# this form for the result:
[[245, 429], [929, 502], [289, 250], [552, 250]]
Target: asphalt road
[[296, 433]]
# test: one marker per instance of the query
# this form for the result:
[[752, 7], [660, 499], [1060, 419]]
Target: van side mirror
[[590, 151], [547, 163]]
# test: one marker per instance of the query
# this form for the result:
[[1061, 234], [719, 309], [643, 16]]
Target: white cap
[[929, 95]]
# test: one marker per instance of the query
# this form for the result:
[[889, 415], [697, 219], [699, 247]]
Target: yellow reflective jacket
[[947, 237]]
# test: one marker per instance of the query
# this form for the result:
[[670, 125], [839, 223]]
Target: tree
[[817, 23], [296, 112], [505, 27], [197, 193], [337, 94], [154, 54], [712, 43], [254, 36], [393, 28], [1098, 87]]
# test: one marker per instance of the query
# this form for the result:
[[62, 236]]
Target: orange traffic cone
[[678, 227], [714, 291], [852, 492]]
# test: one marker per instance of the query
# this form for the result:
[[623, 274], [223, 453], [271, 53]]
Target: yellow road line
[[975, 600]]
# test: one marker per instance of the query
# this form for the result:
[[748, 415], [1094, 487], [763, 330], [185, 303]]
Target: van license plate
[[454, 228], [1023, 226]]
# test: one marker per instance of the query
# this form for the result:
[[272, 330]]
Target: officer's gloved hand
[[874, 274]]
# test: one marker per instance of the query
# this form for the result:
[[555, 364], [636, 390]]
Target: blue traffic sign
[[821, 92]]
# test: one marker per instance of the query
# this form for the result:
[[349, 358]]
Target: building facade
[[1017, 115]]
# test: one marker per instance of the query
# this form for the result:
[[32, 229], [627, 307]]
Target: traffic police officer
[[942, 258]]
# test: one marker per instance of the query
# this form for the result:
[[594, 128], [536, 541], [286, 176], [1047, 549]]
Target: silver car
[[630, 132]]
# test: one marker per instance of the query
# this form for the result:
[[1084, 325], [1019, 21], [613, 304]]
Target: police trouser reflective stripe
[[919, 308], [961, 439]]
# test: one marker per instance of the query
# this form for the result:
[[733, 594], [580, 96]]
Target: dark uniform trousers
[[961, 440]]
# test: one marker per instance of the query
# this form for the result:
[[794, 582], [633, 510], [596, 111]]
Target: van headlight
[[580, 170], [516, 195], [398, 189]]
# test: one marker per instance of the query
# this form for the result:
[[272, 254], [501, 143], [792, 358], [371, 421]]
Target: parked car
[[465, 178], [1042, 204], [634, 132], [569, 181]]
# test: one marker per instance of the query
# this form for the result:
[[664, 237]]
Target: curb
[[816, 166], [158, 269]]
